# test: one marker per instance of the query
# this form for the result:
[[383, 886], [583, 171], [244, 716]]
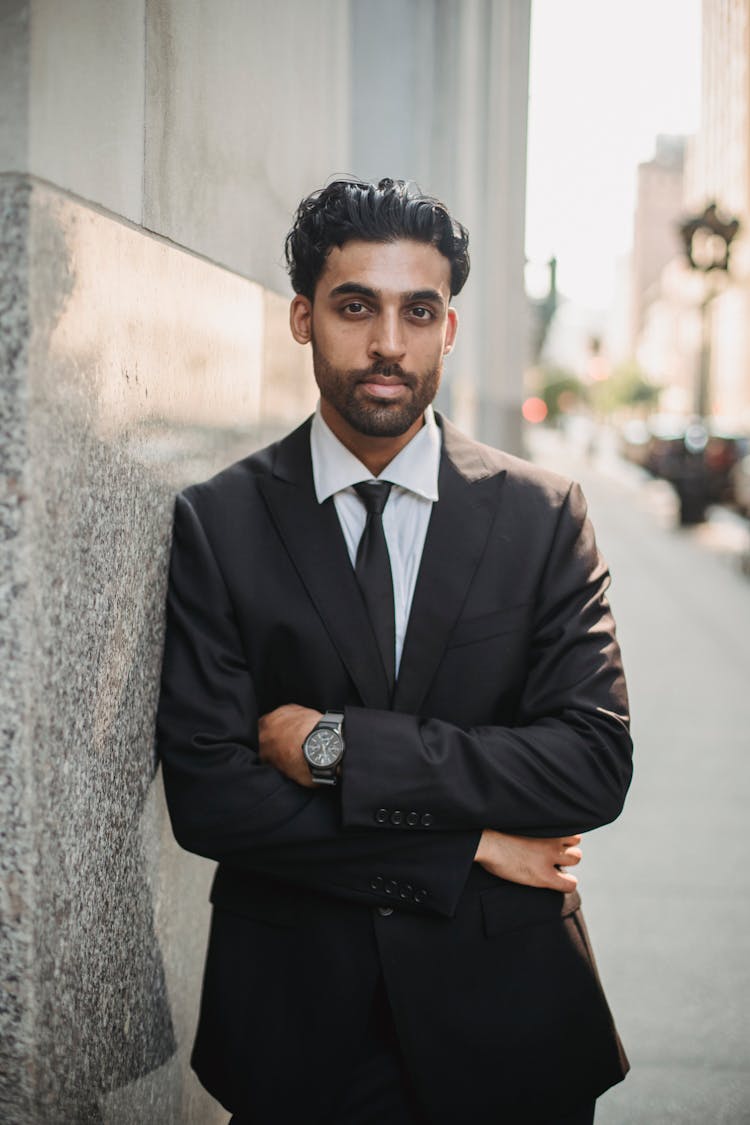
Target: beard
[[344, 391]]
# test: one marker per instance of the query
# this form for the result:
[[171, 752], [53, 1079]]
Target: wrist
[[481, 853]]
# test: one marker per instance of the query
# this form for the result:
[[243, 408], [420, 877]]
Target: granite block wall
[[131, 367], [16, 856]]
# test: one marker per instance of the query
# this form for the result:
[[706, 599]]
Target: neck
[[374, 452]]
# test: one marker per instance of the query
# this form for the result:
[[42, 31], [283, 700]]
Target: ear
[[300, 319], [451, 319]]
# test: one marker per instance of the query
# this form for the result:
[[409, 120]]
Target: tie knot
[[374, 494]]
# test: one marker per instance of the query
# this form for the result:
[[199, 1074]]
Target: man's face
[[379, 325]]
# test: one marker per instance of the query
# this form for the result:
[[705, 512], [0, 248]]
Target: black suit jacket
[[510, 713]]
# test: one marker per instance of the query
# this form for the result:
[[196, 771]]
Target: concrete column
[[504, 308], [247, 110], [451, 113]]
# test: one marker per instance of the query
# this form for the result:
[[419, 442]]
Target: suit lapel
[[460, 523], [312, 535], [469, 488]]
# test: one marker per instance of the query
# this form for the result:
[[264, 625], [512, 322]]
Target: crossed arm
[[519, 859], [242, 800]]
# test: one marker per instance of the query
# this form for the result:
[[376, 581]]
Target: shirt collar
[[415, 468]]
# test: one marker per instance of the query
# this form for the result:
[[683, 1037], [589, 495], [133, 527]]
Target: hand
[[535, 863], [280, 737]]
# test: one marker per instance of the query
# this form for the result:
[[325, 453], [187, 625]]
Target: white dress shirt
[[414, 475]]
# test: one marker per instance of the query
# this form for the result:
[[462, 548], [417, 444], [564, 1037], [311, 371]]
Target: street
[[666, 889]]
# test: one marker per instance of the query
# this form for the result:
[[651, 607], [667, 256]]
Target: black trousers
[[377, 1089]]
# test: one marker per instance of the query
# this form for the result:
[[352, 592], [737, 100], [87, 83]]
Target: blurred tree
[[627, 387], [543, 310], [562, 391]]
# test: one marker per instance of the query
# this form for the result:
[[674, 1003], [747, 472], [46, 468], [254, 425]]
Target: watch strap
[[333, 719]]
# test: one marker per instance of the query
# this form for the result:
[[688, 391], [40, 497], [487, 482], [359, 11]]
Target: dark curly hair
[[383, 212]]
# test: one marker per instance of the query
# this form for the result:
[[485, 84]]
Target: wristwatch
[[324, 748]]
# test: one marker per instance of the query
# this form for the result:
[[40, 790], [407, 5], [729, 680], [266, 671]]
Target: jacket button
[[426, 819], [385, 911], [412, 819], [391, 887], [420, 896], [381, 816], [377, 883], [396, 816], [407, 891]]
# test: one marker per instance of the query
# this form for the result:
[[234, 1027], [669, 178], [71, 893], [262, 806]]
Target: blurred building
[[718, 170], [658, 210], [682, 304], [665, 325], [668, 346], [151, 156]]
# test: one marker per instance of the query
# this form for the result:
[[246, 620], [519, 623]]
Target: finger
[[564, 881], [571, 841], [559, 853], [572, 856]]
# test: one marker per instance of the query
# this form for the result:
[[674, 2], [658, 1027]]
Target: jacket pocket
[[511, 906], [488, 625]]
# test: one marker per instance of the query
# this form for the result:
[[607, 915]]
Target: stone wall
[[452, 115], [131, 368]]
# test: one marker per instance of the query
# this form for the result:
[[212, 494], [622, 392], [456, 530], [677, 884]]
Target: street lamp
[[707, 239]]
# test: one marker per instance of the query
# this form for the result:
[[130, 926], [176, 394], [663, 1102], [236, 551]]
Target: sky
[[606, 77]]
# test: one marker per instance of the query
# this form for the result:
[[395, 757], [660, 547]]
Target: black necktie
[[373, 570]]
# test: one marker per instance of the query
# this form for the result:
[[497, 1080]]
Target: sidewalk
[[667, 888]]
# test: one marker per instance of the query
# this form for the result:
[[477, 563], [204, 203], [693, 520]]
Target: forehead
[[403, 266]]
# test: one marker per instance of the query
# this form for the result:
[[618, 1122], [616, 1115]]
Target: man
[[388, 712]]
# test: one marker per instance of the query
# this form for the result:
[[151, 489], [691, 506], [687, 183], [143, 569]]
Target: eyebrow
[[353, 288], [424, 295]]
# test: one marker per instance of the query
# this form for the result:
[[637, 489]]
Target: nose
[[387, 337]]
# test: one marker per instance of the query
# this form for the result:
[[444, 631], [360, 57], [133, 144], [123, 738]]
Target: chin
[[383, 421]]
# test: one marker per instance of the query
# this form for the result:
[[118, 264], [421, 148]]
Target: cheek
[[339, 341], [431, 354], [429, 343]]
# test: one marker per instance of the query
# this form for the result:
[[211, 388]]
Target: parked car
[[634, 438], [741, 485], [697, 457]]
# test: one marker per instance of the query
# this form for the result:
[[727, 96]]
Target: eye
[[354, 308], [420, 312]]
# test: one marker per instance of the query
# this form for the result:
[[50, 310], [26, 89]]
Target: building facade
[[718, 170], [688, 311], [658, 210]]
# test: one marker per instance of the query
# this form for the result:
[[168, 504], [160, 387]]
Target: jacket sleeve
[[227, 805], [563, 766]]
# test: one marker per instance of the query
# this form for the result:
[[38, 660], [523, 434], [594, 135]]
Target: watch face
[[323, 748]]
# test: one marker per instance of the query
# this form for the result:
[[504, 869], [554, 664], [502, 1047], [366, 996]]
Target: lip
[[379, 387]]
